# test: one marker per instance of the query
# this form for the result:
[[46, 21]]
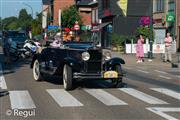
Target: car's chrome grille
[[93, 67], [94, 64], [95, 55]]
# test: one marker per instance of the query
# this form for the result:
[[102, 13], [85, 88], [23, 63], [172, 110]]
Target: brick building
[[87, 8]]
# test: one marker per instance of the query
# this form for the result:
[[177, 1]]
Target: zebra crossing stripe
[[21, 100], [63, 98], [105, 97], [160, 111], [142, 96], [2, 80], [168, 92]]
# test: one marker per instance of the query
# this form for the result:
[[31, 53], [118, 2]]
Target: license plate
[[111, 74]]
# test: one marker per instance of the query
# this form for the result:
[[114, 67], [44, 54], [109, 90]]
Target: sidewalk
[[130, 59]]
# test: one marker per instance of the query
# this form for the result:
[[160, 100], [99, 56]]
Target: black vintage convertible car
[[77, 61]]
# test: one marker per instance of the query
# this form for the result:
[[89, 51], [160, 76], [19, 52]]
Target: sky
[[12, 7]]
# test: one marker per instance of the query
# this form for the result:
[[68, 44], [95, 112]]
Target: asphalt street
[[150, 92]]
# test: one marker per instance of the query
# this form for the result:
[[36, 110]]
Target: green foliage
[[69, 16], [9, 23], [145, 31], [24, 20], [36, 25], [119, 40]]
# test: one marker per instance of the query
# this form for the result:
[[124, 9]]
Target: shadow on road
[[12, 66], [90, 84]]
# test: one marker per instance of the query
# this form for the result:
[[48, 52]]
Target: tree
[[36, 25], [145, 31], [10, 23], [69, 16], [24, 20]]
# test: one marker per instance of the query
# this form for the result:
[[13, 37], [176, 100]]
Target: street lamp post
[[30, 7], [151, 32]]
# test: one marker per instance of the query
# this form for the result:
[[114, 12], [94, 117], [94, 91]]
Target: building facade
[[111, 14], [166, 19], [88, 9], [177, 12]]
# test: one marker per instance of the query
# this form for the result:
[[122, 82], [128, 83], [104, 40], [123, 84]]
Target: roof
[[86, 2]]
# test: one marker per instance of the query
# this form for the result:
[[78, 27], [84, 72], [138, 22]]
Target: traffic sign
[[170, 17], [51, 27], [76, 27]]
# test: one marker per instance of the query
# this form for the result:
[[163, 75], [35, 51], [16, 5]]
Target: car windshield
[[83, 36], [17, 36]]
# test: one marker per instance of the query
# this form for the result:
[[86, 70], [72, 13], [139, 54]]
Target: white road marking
[[160, 111], [178, 76], [165, 77], [143, 71], [63, 98], [167, 92], [141, 68], [21, 100], [142, 96], [160, 71], [105, 97], [2, 80]]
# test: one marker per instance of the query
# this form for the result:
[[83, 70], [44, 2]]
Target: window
[[171, 6], [106, 4], [95, 16], [160, 6]]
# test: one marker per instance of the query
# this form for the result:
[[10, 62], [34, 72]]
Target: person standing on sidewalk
[[6, 47], [168, 43], [140, 49]]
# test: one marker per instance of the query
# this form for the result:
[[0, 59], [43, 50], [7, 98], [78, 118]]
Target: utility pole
[[150, 53]]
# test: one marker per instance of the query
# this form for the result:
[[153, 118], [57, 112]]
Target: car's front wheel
[[36, 71], [67, 77]]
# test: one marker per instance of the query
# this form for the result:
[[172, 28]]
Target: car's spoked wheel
[[36, 71], [116, 82], [67, 77]]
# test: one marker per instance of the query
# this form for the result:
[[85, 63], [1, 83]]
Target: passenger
[[67, 37], [58, 41], [78, 39]]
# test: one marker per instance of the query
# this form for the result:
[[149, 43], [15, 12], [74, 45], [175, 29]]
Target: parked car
[[18, 38], [14, 39], [77, 61]]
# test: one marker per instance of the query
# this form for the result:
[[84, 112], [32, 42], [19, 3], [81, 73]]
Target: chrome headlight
[[85, 56], [107, 55]]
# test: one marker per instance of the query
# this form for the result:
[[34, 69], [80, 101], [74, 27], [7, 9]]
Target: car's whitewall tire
[[67, 77], [36, 71]]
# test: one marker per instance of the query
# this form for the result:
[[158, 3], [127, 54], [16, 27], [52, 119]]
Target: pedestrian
[[6, 47], [168, 43], [140, 49]]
